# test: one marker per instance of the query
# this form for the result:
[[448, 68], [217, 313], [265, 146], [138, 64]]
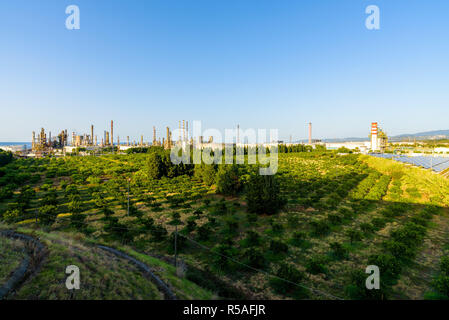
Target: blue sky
[[259, 63]]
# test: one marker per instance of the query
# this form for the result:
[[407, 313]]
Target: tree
[[11, 215], [228, 180], [263, 194], [155, 166], [47, 214], [206, 173], [291, 286]]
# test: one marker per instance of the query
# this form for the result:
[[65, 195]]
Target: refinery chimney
[[183, 130], [310, 133], [91, 134], [374, 140], [238, 136], [112, 133]]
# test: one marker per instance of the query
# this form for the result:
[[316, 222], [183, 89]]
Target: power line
[[263, 271]]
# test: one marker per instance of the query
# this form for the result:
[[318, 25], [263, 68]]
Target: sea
[[16, 144]]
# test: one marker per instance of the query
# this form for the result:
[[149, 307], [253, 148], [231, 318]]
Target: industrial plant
[[45, 144]]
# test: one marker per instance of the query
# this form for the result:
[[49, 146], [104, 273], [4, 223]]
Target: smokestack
[[168, 138], [180, 130], [112, 133], [96, 140], [127, 141], [141, 140], [92, 134], [154, 135], [374, 140], [183, 130], [238, 133], [187, 130], [310, 132]]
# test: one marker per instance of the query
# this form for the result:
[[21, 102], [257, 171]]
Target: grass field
[[11, 255], [341, 214]]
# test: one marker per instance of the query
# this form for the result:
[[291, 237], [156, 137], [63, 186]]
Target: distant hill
[[437, 134]]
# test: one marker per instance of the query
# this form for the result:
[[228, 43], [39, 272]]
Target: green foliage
[[155, 167], [338, 251], [11, 215], [47, 214], [255, 258], [319, 227], [263, 194], [278, 247], [354, 235], [206, 173], [288, 281], [228, 180], [5, 157], [316, 265], [357, 288]]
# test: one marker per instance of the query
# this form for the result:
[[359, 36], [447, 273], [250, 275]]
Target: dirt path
[[162, 286], [28, 267]]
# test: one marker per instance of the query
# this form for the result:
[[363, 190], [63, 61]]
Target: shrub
[[316, 265], [367, 227], [252, 239], [357, 289], [441, 284], [389, 267], [319, 227], [158, 233], [334, 219], [206, 173], [203, 232], [298, 238], [155, 168], [444, 265], [11, 215], [290, 287], [255, 258], [278, 247], [354, 235], [77, 220], [47, 214], [378, 223], [228, 181], [338, 250]]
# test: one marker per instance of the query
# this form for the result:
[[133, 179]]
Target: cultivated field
[[334, 216]]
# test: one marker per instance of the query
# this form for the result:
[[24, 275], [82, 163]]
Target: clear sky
[[259, 63]]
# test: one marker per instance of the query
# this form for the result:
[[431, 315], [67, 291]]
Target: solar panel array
[[437, 164]]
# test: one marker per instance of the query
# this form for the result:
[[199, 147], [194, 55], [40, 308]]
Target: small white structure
[[363, 146], [441, 149]]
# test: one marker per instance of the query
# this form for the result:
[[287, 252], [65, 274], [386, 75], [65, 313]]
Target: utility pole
[[128, 196], [176, 249]]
